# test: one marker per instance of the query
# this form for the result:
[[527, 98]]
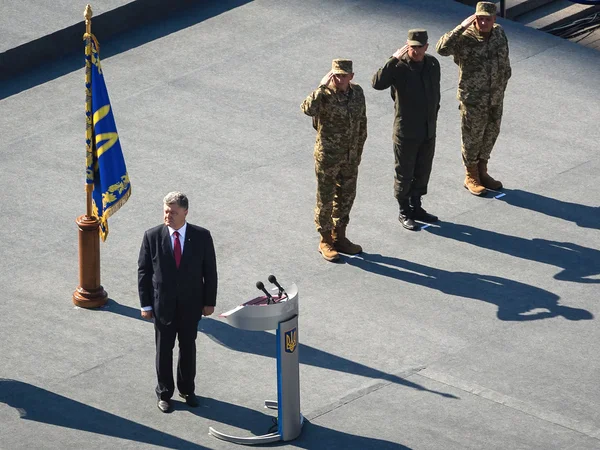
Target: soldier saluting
[[480, 49], [339, 115], [414, 79]]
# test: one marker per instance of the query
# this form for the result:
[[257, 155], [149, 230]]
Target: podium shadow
[[515, 301], [583, 215], [257, 423], [39, 405], [578, 262], [263, 344]]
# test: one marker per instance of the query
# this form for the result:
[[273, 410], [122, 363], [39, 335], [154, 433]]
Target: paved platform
[[477, 333]]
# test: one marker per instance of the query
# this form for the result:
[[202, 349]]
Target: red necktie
[[177, 249]]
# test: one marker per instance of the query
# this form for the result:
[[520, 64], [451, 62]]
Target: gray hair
[[178, 198]]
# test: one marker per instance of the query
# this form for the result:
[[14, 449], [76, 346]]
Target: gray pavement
[[479, 333]]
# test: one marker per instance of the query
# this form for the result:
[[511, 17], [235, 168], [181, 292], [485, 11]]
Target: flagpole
[[87, 15], [89, 293]]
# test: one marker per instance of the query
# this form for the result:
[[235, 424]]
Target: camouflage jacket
[[341, 123], [484, 67]]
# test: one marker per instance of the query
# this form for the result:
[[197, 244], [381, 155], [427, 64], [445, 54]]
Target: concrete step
[[554, 14], [516, 8]]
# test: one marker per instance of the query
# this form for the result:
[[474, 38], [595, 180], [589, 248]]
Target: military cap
[[417, 37], [485, 9], [341, 67]]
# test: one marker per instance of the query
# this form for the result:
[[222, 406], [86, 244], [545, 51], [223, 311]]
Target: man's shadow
[[263, 343], [39, 405], [583, 215], [515, 301], [578, 262]]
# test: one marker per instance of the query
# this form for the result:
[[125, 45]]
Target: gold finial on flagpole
[[87, 15]]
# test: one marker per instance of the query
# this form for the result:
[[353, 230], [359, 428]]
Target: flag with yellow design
[[106, 173]]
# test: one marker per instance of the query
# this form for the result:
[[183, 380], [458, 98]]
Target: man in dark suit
[[177, 284]]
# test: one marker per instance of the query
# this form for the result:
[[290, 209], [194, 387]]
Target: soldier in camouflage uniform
[[339, 115], [480, 49]]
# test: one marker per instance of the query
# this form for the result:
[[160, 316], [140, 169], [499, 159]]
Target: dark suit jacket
[[169, 290]]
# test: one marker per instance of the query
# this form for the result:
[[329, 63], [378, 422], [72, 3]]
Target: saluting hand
[[326, 79], [468, 21], [400, 52]]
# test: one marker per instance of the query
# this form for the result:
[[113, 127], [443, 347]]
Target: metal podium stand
[[280, 315]]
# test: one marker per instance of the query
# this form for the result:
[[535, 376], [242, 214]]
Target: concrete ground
[[477, 333]]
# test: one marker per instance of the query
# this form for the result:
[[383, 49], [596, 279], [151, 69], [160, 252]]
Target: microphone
[[261, 286], [273, 280]]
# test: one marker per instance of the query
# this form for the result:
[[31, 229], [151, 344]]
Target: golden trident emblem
[[291, 340]]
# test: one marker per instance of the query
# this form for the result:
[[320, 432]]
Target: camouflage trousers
[[336, 190], [480, 127]]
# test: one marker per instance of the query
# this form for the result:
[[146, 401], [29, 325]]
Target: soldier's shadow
[[578, 263], [516, 301], [583, 215]]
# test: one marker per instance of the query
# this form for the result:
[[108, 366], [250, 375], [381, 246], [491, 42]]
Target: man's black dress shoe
[[408, 223], [190, 399], [164, 405]]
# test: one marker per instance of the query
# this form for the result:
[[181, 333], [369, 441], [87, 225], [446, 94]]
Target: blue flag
[[105, 170]]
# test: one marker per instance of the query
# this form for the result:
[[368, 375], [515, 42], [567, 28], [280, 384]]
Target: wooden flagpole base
[[89, 293]]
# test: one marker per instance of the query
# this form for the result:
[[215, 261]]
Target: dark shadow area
[[263, 344], [583, 215], [577, 262], [516, 301], [39, 405], [257, 423], [62, 52]]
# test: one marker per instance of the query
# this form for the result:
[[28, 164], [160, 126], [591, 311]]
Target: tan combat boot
[[344, 245], [486, 179], [472, 182], [326, 247]]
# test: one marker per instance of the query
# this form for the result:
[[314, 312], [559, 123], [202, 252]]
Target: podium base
[[253, 440]]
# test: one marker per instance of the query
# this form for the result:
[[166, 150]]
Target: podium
[[282, 315]]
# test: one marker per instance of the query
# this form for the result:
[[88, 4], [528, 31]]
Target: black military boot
[[406, 216], [419, 213]]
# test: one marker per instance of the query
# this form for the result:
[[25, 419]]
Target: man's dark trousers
[[186, 330], [414, 159]]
